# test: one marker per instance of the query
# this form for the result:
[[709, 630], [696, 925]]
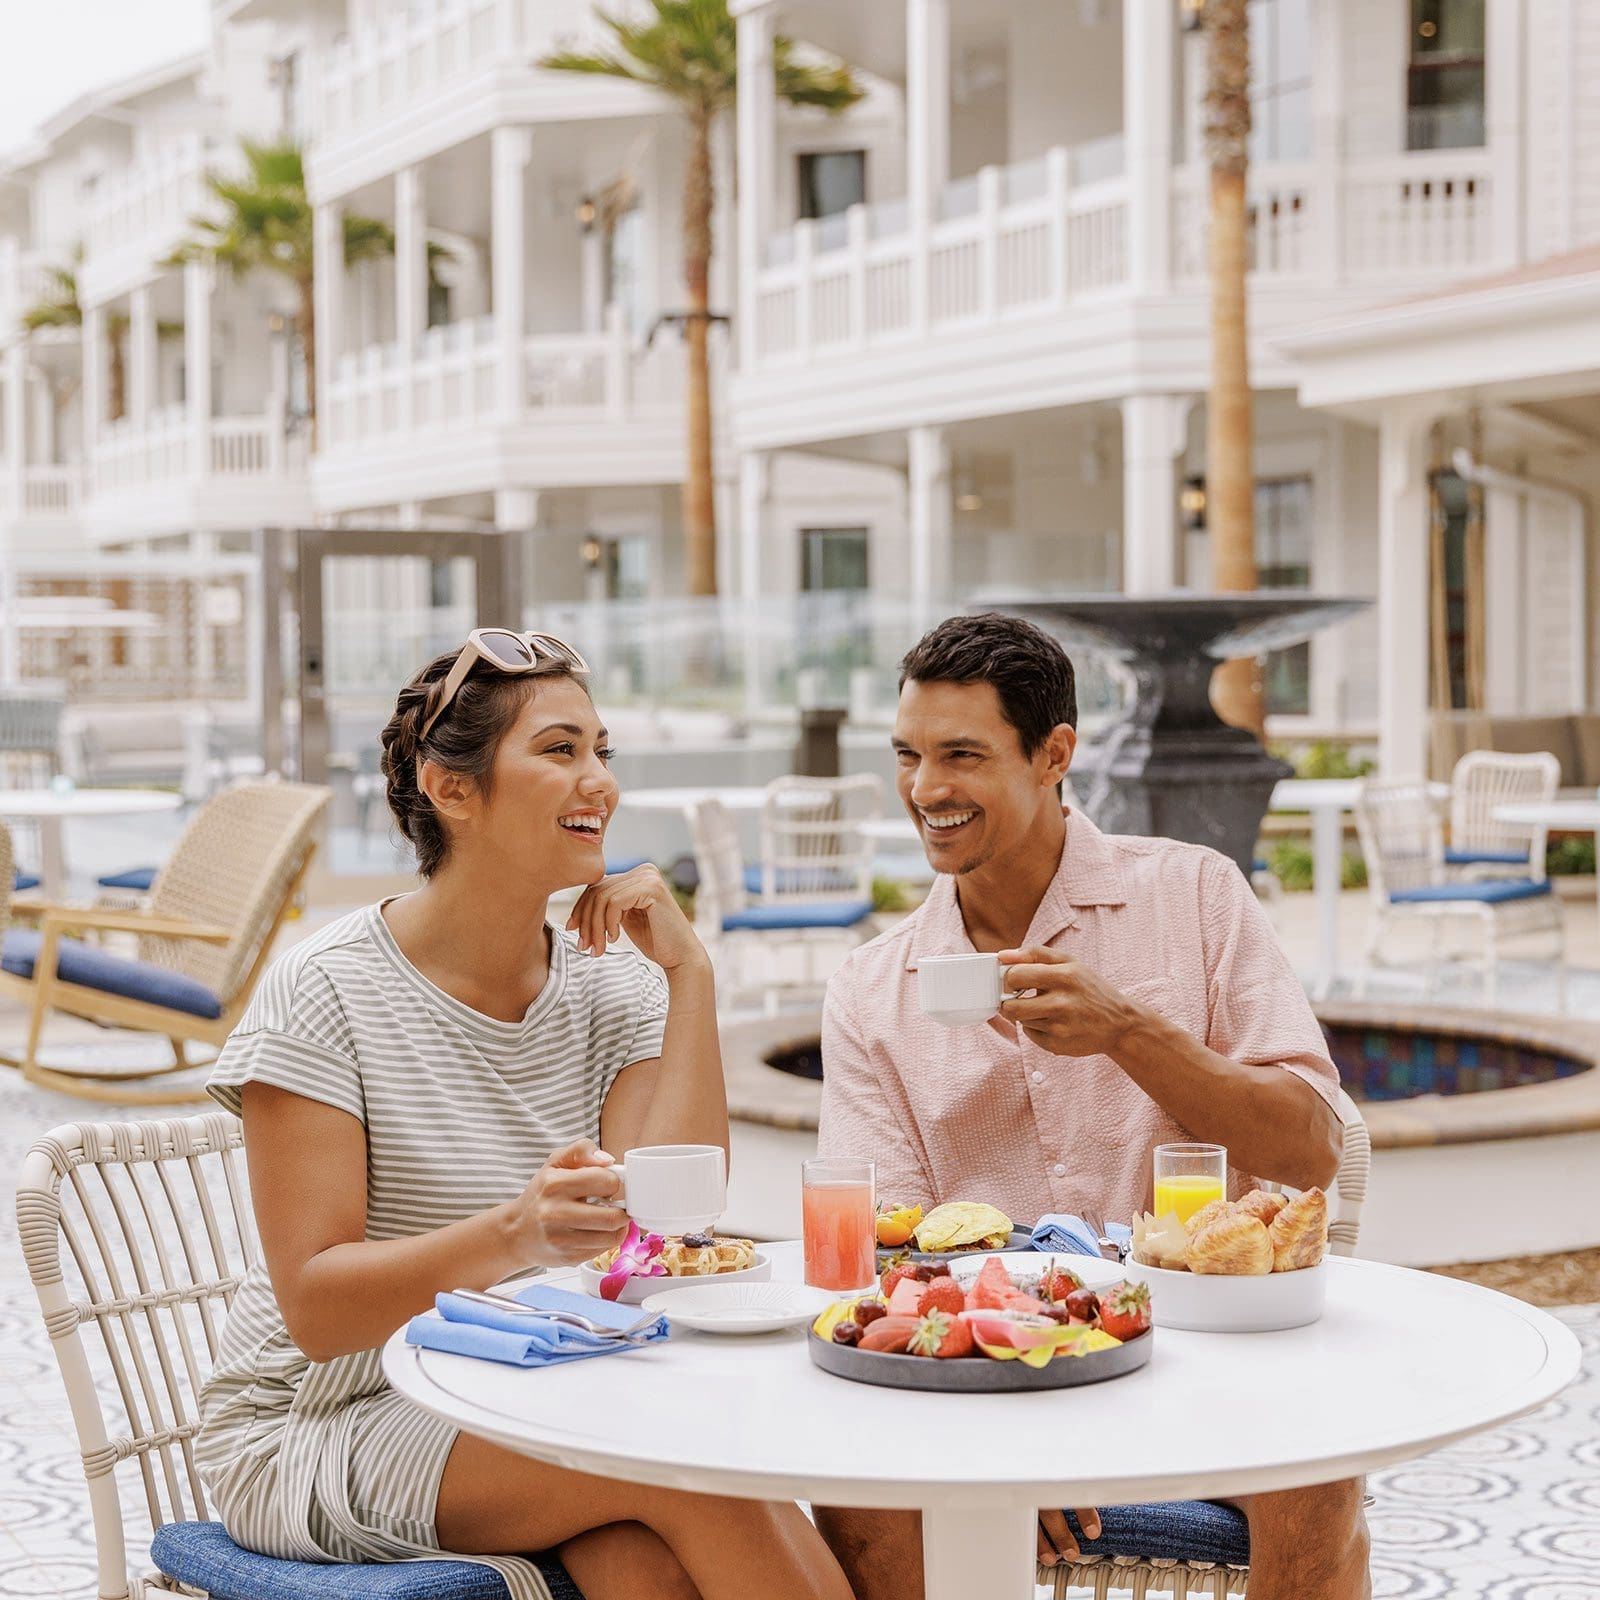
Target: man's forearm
[[1273, 1123]]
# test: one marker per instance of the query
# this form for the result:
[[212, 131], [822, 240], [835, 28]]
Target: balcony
[[26, 278], [42, 494], [589, 408]]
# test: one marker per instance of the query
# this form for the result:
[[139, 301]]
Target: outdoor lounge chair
[[1115, 1563], [203, 942], [1480, 845], [158, 1233], [1402, 839]]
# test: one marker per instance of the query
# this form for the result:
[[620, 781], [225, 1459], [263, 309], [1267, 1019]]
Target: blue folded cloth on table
[[471, 1328], [1072, 1236]]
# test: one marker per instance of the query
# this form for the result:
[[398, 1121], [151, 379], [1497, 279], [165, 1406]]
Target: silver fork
[[1110, 1250], [504, 1302]]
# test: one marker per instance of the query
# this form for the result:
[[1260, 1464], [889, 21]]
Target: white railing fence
[[158, 194], [51, 491], [1427, 212], [126, 456]]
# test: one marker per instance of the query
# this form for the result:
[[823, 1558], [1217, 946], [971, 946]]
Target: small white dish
[[635, 1290], [723, 1307], [1209, 1302]]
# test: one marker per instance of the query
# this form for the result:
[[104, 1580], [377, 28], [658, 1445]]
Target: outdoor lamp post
[[1192, 503], [1194, 15]]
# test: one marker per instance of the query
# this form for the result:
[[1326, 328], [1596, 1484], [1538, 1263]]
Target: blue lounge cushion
[[1491, 892], [94, 968], [781, 918], [202, 1555], [23, 880], [1170, 1530], [137, 878], [1486, 858], [619, 864]]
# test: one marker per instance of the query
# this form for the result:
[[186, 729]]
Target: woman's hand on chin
[[639, 903]]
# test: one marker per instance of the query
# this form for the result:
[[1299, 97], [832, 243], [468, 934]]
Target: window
[[833, 558], [1283, 561], [1444, 81], [626, 565], [438, 305], [831, 181], [1453, 499], [1280, 80], [622, 255]]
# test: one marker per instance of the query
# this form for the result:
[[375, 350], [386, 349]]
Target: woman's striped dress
[[322, 1460]]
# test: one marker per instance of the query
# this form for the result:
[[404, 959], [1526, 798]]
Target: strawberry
[[893, 1275], [889, 1335], [1125, 1310], [943, 1294], [939, 1335], [1058, 1283]]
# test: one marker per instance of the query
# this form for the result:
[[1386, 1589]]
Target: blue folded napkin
[[1072, 1236], [470, 1328]]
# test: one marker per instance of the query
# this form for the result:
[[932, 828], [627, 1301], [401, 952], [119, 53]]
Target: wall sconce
[[1193, 14], [276, 324], [586, 212], [1192, 503], [592, 552], [967, 497]]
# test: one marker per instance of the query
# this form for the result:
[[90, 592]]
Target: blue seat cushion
[[93, 968], [139, 878], [787, 880], [1487, 858], [781, 918], [23, 880], [1170, 1530], [1491, 892], [202, 1555], [616, 864]]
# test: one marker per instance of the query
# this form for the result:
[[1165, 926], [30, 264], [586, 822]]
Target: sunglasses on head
[[509, 652]]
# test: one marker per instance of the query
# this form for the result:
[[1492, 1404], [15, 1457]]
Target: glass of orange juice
[[1189, 1176], [837, 1212]]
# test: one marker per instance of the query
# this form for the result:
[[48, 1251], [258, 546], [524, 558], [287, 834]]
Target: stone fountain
[[1171, 766]]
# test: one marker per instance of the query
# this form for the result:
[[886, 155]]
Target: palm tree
[[688, 51], [265, 225], [1230, 480]]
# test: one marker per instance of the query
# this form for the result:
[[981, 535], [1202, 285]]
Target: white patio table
[[1327, 799], [1400, 1363], [51, 809], [1573, 816]]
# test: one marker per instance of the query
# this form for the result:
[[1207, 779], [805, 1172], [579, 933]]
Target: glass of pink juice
[[838, 1216]]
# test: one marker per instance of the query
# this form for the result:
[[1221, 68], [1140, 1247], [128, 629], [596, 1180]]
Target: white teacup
[[674, 1188], [959, 991]]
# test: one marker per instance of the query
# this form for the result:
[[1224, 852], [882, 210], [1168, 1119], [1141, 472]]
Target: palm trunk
[[307, 319], [1230, 479], [699, 510]]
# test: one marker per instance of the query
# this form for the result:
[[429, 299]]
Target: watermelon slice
[[904, 1297], [991, 1287], [1017, 1300]]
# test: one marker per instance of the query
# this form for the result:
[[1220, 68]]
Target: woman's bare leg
[[625, 1561], [495, 1502]]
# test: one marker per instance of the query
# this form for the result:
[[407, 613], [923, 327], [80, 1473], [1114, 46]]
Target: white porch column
[[410, 281], [94, 387], [927, 134], [16, 380], [1147, 91], [197, 277], [1327, 135], [755, 510], [141, 357], [327, 246], [929, 519], [757, 121], [1402, 585], [1154, 429], [1505, 30], [510, 150]]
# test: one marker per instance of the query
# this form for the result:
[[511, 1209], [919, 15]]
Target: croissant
[[1299, 1233], [1235, 1244], [1258, 1203], [1206, 1215]]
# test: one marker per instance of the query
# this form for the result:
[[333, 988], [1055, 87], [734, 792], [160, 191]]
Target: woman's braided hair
[[464, 740]]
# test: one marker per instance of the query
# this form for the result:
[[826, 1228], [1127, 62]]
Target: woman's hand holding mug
[[570, 1210]]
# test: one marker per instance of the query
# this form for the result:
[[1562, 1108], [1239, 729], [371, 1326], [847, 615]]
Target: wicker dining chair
[[137, 1236], [203, 943], [1101, 1575]]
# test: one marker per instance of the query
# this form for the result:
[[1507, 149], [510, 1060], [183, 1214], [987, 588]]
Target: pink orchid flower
[[639, 1257]]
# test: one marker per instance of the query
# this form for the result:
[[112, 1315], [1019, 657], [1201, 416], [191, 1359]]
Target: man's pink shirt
[[984, 1113]]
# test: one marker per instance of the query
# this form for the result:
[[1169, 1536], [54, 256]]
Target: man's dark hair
[[1030, 671]]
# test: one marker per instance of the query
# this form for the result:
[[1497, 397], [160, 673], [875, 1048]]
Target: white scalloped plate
[[738, 1307]]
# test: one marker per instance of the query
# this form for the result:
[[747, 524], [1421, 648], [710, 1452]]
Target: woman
[[399, 1075]]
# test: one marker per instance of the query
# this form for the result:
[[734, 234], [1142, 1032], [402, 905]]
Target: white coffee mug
[[674, 1188], [959, 991]]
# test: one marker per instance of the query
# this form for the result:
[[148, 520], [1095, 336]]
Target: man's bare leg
[[1309, 1544], [880, 1551], [625, 1561]]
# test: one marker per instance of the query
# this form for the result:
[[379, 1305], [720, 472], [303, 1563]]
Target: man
[[1146, 1001]]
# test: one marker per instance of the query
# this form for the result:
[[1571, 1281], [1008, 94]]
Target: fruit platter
[[1020, 1320], [957, 1228]]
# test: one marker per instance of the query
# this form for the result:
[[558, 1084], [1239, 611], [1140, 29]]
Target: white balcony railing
[[127, 456], [152, 199], [1010, 240], [1424, 213], [26, 278], [381, 73], [452, 381], [51, 491]]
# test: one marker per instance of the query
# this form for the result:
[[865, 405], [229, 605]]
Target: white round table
[[1400, 1363], [51, 809], [1574, 816]]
